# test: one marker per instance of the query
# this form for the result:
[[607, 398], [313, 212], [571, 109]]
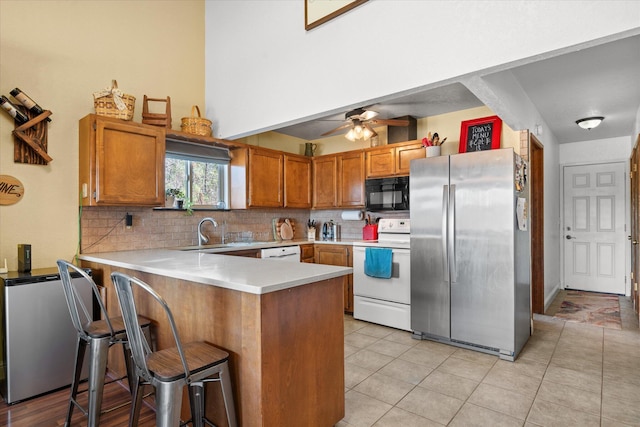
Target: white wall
[[600, 150], [285, 74], [264, 70], [60, 52]]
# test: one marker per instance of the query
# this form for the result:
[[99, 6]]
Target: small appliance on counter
[[370, 232], [24, 258], [330, 231]]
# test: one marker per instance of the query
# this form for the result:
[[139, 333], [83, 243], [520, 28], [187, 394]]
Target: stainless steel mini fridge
[[470, 253], [38, 339]]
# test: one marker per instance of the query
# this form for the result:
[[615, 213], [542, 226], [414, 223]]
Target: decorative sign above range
[[11, 190], [480, 134]]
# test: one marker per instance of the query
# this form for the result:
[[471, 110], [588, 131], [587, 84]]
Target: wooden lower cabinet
[[247, 253], [340, 255], [307, 253]]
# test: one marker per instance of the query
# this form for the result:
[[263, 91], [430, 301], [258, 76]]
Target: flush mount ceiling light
[[589, 123]]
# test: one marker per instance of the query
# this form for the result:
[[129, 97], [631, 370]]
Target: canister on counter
[[370, 232]]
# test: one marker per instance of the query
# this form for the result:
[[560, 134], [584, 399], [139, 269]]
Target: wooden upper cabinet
[[266, 178], [121, 162], [405, 154], [338, 180], [325, 182], [393, 160], [351, 172], [381, 162], [297, 181]]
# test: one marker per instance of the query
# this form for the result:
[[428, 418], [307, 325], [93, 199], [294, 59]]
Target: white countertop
[[251, 275]]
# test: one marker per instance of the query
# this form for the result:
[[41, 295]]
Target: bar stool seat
[[193, 364], [99, 336]]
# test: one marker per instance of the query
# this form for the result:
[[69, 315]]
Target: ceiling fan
[[360, 123]]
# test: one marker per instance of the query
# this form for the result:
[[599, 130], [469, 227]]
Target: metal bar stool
[[193, 364], [99, 336]]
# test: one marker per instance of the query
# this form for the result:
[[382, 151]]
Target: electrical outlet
[[85, 192]]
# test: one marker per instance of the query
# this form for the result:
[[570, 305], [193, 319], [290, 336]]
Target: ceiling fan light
[[368, 114], [351, 135], [589, 123], [367, 133]]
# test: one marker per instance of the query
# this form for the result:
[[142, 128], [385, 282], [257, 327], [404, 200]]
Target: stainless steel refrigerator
[[470, 253]]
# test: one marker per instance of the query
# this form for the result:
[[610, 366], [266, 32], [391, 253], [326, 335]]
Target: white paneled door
[[594, 227]]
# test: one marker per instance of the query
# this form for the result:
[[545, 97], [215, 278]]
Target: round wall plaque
[[11, 190]]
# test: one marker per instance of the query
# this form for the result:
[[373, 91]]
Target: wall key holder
[[31, 139]]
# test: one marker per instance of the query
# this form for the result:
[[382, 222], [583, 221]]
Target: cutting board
[[284, 228], [286, 231]]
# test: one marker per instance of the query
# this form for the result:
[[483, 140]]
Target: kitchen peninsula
[[282, 324]]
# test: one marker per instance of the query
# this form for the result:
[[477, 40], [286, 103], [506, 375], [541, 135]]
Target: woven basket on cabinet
[[105, 104], [196, 125]]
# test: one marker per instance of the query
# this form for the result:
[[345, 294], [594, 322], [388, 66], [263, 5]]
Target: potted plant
[[174, 198]]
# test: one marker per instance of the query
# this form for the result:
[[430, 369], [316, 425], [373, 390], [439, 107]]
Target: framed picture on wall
[[317, 12], [480, 134]]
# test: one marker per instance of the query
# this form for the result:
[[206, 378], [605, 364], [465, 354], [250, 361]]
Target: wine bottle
[[29, 103], [13, 111]]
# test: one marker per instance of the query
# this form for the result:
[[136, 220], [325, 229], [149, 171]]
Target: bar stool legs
[[227, 394], [167, 370], [81, 348], [168, 403], [98, 352]]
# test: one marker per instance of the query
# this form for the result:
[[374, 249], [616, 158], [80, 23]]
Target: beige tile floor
[[568, 374]]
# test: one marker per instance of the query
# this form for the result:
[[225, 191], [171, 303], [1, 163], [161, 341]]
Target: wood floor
[[50, 410]]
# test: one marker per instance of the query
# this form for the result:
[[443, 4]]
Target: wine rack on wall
[[30, 139]]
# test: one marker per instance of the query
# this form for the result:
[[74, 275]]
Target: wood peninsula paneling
[[286, 347]]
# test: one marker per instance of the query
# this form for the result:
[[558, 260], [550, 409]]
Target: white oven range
[[385, 301]]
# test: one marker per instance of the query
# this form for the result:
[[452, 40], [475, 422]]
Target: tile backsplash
[[103, 229]]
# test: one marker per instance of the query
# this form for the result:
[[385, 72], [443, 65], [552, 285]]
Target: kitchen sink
[[220, 246]]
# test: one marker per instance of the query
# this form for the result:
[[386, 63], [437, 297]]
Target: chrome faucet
[[201, 237]]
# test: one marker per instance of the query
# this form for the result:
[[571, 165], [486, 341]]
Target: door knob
[[569, 237], [634, 242]]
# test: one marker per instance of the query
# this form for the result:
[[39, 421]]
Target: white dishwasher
[[282, 253]]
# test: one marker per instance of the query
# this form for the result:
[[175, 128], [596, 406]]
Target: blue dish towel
[[378, 262]]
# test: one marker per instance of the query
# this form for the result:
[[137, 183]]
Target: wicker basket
[[106, 103], [195, 124]]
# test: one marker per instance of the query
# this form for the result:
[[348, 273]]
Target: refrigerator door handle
[[452, 234], [445, 213]]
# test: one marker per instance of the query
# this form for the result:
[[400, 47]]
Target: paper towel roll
[[352, 215]]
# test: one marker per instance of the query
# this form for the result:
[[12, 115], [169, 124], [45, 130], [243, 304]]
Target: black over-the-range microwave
[[387, 194]]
